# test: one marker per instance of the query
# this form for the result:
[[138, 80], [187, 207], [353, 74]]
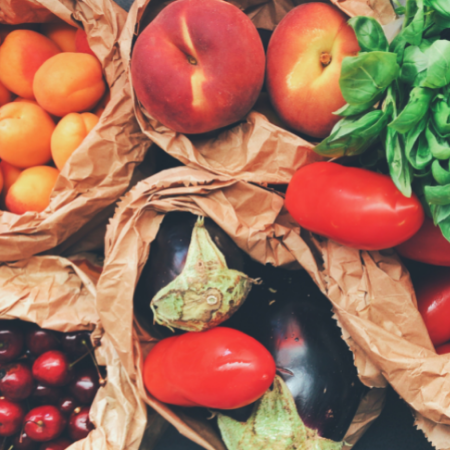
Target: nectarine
[[69, 134], [32, 190], [21, 55], [69, 82], [25, 133], [198, 66], [304, 60]]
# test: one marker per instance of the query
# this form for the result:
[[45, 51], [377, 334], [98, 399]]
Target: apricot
[[62, 34], [32, 190], [69, 134], [25, 134], [5, 95], [69, 82], [21, 55], [9, 175], [81, 42]]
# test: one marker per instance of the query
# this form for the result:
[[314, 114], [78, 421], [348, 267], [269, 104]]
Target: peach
[[25, 134], [62, 34], [198, 66], [304, 60], [5, 95], [32, 190], [69, 134], [10, 175], [81, 43], [69, 82], [21, 55]]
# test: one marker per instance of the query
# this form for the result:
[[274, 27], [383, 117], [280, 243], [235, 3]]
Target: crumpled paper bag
[[254, 150], [257, 222], [100, 170], [54, 293]]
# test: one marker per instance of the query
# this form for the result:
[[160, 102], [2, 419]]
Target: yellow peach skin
[[69, 82], [69, 134], [25, 134], [21, 55], [32, 190], [62, 34]]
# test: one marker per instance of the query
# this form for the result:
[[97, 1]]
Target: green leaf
[[437, 195], [438, 73], [441, 175], [415, 109], [353, 135], [369, 33], [365, 77], [414, 21], [441, 113], [415, 62], [441, 6], [417, 150], [398, 46], [441, 217], [436, 25], [439, 147], [353, 110]]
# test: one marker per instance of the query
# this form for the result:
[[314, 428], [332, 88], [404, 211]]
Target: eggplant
[[167, 260], [291, 317]]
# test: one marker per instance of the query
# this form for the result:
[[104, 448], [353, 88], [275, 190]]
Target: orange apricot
[[25, 134], [5, 95], [21, 55], [32, 190], [10, 175], [62, 34], [69, 82], [69, 134]]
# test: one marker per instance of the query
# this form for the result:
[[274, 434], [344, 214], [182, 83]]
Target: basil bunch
[[399, 94]]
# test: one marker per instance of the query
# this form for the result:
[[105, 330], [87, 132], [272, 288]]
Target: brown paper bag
[[257, 222], [54, 293], [255, 150], [100, 170]]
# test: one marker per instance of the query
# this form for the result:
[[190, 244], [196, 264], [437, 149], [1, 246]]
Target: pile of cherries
[[48, 381]]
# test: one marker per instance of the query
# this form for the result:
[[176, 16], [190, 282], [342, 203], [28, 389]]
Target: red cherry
[[52, 368], [11, 341], [44, 423], [16, 381], [11, 417], [23, 442], [39, 341], [67, 404], [76, 343], [46, 395], [85, 385], [79, 423], [57, 444]]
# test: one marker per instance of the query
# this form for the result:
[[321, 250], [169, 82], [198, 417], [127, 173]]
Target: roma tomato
[[433, 300], [428, 245], [220, 368], [355, 207]]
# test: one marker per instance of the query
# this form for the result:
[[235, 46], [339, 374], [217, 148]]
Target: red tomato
[[433, 299], [443, 349], [428, 245], [355, 207], [220, 368]]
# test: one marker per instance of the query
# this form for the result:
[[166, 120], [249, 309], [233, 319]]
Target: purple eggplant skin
[[167, 258], [291, 317]]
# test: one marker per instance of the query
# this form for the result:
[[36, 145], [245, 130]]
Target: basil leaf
[[441, 175], [441, 6], [354, 135], [438, 73], [369, 33], [352, 110], [415, 109], [439, 147], [437, 195], [417, 150], [365, 77], [397, 46], [415, 22], [415, 62], [437, 24], [441, 113]]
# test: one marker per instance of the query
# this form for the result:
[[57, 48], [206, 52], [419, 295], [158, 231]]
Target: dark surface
[[393, 430]]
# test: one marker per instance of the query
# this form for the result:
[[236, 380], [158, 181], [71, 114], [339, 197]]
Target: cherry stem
[[81, 357], [101, 380], [39, 423]]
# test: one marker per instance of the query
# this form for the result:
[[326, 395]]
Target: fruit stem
[[81, 357], [101, 380], [325, 58]]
